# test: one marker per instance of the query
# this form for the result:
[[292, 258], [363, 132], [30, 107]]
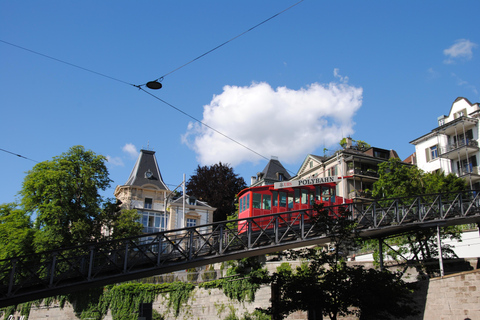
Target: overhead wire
[[18, 155], [140, 87], [65, 62], [226, 42]]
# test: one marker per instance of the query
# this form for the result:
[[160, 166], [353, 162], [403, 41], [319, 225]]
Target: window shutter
[[427, 154]]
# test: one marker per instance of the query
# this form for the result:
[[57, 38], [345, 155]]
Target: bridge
[[67, 270]]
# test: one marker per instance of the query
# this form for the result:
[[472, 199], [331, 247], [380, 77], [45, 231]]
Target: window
[[304, 196], [283, 199], [148, 203], [275, 198], [267, 201], [191, 222], [256, 200], [297, 196], [332, 172], [154, 222], [290, 201], [431, 153]]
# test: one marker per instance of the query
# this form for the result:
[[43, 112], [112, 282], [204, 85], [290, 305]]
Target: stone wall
[[453, 297]]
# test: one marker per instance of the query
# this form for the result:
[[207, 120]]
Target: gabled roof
[[146, 171], [188, 200], [318, 159]]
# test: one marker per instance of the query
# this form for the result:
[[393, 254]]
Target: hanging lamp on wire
[[155, 84]]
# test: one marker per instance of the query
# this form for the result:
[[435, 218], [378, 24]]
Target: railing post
[[160, 249], [90, 264], [190, 249], [249, 234], [440, 204], [220, 240], [302, 224], [374, 213], [52, 269], [397, 213], [276, 229], [12, 277], [125, 259]]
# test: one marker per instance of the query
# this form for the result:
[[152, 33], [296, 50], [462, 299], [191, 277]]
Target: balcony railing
[[360, 194], [366, 172], [460, 144], [468, 170]]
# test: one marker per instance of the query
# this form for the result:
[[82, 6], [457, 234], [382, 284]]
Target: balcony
[[359, 194], [461, 148], [364, 173], [469, 172]]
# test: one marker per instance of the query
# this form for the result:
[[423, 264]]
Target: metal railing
[[65, 270]]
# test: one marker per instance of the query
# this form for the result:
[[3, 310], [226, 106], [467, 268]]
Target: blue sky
[[379, 71]]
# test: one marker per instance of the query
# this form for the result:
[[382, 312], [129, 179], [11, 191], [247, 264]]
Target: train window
[[267, 200], [297, 196], [247, 202], [318, 193], [240, 204], [326, 193], [256, 200], [290, 201], [312, 198], [275, 198], [283, 199], [304, 196]]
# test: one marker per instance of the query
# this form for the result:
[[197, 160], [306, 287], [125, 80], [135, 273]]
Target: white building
[[155, 202], [356, 169], [452, 147]]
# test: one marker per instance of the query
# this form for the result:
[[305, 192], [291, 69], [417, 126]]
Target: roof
[[273, 166], [188, 200], [146, 171]]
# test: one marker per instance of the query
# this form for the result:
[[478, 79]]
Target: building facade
[[155, 202], [356, 168], [452, 147]]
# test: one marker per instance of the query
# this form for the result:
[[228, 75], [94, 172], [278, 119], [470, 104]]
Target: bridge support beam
[[440, 256]]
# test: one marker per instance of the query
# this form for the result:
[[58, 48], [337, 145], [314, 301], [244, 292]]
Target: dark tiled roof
[[146, 171], [274, 166]]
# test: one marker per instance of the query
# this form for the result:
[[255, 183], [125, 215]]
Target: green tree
[[64, 196], [16, 232], [217, 185], [120, 223], [397, 179]]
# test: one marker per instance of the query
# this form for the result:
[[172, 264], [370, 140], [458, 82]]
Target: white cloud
[[131, 150], [337, 75], [462, 49], [282, 122], [115, 161]]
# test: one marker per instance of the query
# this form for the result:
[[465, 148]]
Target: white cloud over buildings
[[283, 122]]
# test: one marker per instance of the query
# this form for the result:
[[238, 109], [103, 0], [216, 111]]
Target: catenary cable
[[226, 42]]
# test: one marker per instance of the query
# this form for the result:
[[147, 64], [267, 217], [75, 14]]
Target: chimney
[[349, 143]]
